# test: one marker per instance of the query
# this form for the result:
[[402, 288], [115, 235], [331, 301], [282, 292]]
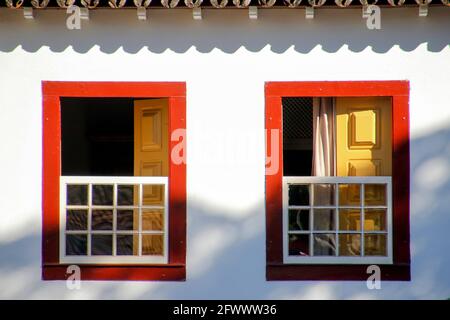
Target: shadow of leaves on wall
[[226, 252]]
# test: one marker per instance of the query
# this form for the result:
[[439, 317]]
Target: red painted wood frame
[[399, 91], [52, 91]]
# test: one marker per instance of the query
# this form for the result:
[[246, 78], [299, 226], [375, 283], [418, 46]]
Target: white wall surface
[[225, 60]]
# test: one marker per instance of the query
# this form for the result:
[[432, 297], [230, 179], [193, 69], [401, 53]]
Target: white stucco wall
[[225, 60]]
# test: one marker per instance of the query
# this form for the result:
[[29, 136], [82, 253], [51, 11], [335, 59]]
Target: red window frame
[[52, 91], [399, 91]]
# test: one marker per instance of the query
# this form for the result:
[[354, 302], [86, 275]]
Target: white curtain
[[323, 137], [323, 165]]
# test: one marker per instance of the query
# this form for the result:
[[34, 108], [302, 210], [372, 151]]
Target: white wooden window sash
[[336, 259], [89, 181]]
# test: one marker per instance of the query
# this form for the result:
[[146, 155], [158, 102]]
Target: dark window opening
[[297, 136], [97, 136]]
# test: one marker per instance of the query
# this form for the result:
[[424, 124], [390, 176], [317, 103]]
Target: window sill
[[165, 272], [290, 272]]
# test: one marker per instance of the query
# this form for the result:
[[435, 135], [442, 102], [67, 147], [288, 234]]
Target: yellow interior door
[[364, 136], [363, 144], [151, 158]]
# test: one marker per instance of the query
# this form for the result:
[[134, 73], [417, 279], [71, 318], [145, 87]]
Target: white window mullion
[[336, 181], [311, 220], [285, 219], [114, 222], [89, 221], [140, 197], [112, 258], [362, 219], [336, 218], [389, 218], [166, 220], [63, 218]]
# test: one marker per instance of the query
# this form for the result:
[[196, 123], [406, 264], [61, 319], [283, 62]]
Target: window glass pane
[[375, 245], [324, 244], [128, 219], [102, 219], [152, 195], [76, 244], [349, 219], [349, 244], [77, 195], [152, 219], [324, 194], [298, 245], [76, 219], [127, 245], [349, 195], [101, 244], [375, 195], [102, 195], [125, 195], [298, 219], [324, 219], [375, 220], [298, 195], [152, 244]]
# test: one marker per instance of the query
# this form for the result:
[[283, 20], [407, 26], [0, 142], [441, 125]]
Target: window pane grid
[[140, 221], [362, 227], [334, 207], [125, 232], [116, 207], [99, 242], [336, 212], [89, 242], [311, 218], [356, 224], [114, 221]]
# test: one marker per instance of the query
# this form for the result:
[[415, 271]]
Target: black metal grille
[[297, 118]]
